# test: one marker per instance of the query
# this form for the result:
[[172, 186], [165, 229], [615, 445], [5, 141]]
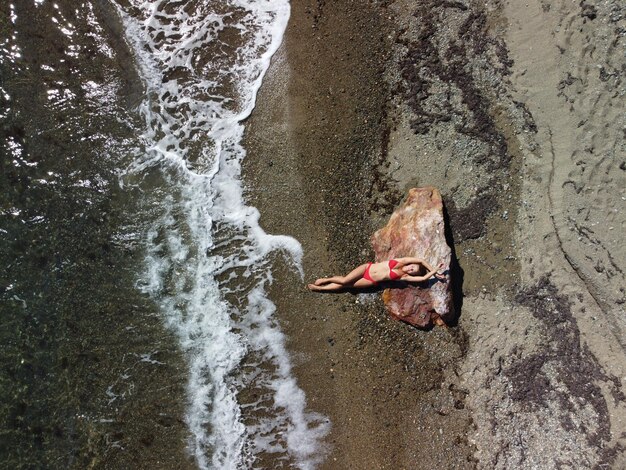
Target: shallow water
[[135, 327], [82, 350]]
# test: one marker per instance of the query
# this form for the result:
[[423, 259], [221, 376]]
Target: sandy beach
[[515, 112]]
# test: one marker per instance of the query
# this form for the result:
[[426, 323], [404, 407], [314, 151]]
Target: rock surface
[[417, 229]]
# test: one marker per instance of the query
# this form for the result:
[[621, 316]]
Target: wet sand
[[513, 111], [314, 145]]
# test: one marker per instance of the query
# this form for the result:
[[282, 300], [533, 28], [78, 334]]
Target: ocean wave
[[207, 258]]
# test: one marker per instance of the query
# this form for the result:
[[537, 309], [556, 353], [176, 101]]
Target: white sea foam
[[208, 260]]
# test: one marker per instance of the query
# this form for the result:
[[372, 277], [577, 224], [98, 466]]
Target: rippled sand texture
[[568, 385], [515, 111], [545, 362], [579, 164]]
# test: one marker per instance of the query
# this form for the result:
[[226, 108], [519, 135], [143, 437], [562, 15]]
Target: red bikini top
[[392, 274]]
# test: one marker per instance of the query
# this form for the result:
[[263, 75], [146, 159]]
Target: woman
[[370, 274]]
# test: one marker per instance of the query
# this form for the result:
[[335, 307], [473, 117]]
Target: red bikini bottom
[[366, 274]]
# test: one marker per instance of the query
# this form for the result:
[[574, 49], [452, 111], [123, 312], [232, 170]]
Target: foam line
[[197, 96]]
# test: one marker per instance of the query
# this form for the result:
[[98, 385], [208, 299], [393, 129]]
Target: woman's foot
[[313, 287]]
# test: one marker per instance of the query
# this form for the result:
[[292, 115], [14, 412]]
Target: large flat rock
[[417, 229]]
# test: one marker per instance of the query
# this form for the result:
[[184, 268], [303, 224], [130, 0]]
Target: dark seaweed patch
[[468, 223], [442, 91], [561, 353], [426, 64], [588, 11]]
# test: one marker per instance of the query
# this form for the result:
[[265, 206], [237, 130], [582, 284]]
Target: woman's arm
[[412, 260], [426, 276]]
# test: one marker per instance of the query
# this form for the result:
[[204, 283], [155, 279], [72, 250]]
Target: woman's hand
[[438, 275]]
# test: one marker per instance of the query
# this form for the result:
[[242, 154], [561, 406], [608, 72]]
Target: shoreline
[[322, 130], [360, 104]]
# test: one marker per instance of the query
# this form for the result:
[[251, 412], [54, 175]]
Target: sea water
[[110, 195], [208, 261]]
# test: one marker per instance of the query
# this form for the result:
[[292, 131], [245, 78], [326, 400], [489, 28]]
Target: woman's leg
[[363, 284], [332, 286], [348, 279]]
